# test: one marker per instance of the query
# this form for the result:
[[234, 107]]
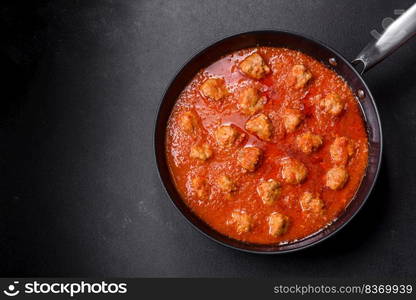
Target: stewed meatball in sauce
[[261, 126], [267, 145], [214, 88], [291, 119], [249, 158], [228, 136], [251, 101]]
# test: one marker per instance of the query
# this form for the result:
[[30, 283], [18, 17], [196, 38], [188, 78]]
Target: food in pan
[[267, 145]]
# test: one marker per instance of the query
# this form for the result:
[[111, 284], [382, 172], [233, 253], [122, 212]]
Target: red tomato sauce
[[216, 207]]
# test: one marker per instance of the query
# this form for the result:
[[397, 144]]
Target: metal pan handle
[[402, 29]]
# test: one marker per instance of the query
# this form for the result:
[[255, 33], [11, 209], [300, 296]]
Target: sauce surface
[[208, 172]]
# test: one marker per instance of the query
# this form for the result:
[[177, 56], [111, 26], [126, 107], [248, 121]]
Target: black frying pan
[[396, 34]]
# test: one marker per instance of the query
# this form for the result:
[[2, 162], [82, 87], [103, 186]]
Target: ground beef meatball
[[200, 187], [226, 184], [341, 149], [291, 119], [311, 204], [278, 224], [300, 76], [242, 221], [336, 178], [214, 88], [261, 126], [201, 151], [228, 136], [308, 142], [189, 122], [332, 104], [269, 191], [249, 158], [254, 66], [250, 101], [293, 171]]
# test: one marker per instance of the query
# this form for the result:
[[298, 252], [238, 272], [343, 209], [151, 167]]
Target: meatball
[[301, 76], [228, 136], [336, 178], [308, 142], [293, 171], [341, 150], [332, 104], [249, 158], [226, 184], [214, 88], [200, 187], [254, 66], [201, 151], [242, 221], [269, 191], [261, 126], [311, 204], [189, 122], [291, 119], [278, 224], [250, 101]]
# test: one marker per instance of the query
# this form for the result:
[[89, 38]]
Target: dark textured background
[[79, 191]]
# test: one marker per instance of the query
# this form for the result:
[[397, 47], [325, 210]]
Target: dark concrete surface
[[79, 191]]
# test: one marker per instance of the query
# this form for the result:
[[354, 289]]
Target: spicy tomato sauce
[[206, 165]]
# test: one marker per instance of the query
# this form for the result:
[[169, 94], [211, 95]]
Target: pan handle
[[402, 29]]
